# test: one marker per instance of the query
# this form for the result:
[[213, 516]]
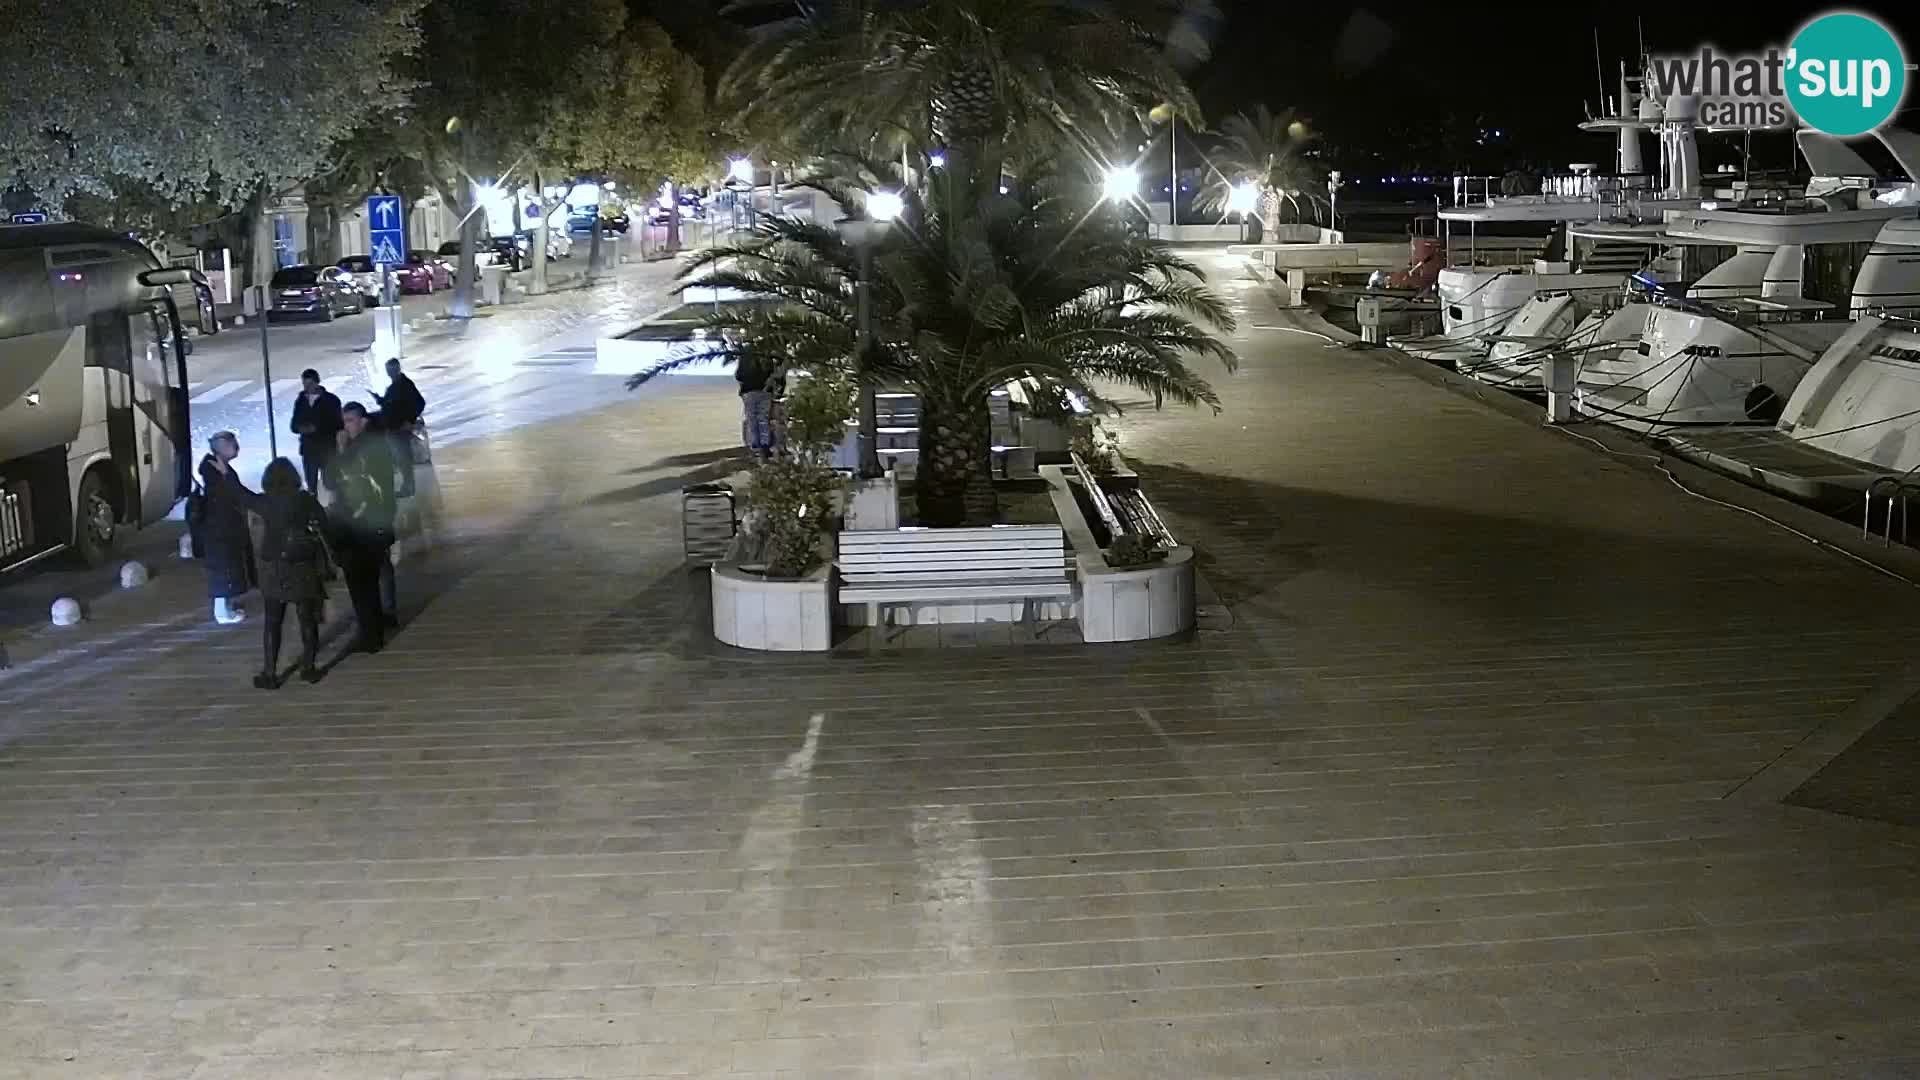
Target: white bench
[[904, 566]]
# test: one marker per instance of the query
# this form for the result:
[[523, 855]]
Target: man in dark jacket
[[316, 419], [362, 516], [400, 409]]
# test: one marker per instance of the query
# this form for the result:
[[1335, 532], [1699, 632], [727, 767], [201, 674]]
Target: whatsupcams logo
[[1844, 74]]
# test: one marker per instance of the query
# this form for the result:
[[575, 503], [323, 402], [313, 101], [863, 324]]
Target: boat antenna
[[1599, 72], [1640, 27]]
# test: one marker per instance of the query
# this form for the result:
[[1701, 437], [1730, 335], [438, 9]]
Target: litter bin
[[493, 284], [707, 521]]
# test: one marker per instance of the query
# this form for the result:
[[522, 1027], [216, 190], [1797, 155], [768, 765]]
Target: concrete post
[[1557, 371]]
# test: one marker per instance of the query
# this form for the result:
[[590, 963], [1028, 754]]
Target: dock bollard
[[1558, 374]]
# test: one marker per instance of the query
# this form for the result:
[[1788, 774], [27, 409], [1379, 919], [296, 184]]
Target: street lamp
[[1121, 183], [885, 206], [882, 208], [1333, 199], [1242, 199], [740, 169], [937, 160]]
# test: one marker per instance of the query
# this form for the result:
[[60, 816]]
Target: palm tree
[[1266, 150], [969, 76], [969, 292]]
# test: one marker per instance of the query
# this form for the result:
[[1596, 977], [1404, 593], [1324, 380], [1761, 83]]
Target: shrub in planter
[[792, 497], [1131, 550], [1095, 445]]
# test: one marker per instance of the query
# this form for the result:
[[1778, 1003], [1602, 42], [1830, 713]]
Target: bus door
[[109, 349], [160, 410]]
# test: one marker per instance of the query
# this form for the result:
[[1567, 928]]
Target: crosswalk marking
[[225, 389], [281, 388]]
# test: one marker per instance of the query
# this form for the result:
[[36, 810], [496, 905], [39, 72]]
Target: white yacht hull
[[1694, 367]]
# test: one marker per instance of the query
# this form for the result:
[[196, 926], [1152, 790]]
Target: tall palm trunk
[[966, 124], [954, 484]]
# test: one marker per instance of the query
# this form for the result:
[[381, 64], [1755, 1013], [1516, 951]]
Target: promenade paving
[[1463, 788]]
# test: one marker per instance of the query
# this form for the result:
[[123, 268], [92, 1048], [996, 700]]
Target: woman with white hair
[[224, 535]]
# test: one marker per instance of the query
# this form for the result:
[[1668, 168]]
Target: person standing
[[400, 410], [362, 478], [316, 419], [292, 569], [756, 379], [224, 536]]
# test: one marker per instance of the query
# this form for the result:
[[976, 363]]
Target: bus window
[[29, 308]]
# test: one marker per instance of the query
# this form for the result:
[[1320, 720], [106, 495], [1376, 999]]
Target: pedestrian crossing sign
[[386, 230]]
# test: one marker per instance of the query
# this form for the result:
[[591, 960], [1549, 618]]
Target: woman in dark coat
[[293, 567], [223, 528]]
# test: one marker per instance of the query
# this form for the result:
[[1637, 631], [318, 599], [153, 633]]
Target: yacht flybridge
[[1503, 249]]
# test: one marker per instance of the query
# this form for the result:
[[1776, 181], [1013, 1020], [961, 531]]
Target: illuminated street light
[[741, 169], [1242, 199], [1121, 183], [611, 186], [884, 205]]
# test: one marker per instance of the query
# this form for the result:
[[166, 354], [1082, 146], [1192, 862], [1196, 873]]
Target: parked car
[[366, 276], [424, 272], [559, 244], [318, 291], [690, 209], [582, 218], [506, 252], [486, 255]]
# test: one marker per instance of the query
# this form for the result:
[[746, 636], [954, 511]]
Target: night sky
[[1411, 85]]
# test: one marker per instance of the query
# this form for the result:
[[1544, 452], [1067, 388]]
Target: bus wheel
[[94, 520]]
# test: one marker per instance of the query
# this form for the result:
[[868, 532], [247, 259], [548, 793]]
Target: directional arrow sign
[[387, 232]]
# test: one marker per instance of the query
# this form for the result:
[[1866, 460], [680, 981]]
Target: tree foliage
[[644, 119], [1268, 150], [972, 76], [194, 101], [969, 291]]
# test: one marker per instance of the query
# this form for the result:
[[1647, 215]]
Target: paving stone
[[1440, 791]]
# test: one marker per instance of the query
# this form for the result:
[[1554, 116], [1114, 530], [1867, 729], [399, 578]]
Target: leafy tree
[[1265, 149], [190, 102], [968, 76], [644, 121], [969, 291]]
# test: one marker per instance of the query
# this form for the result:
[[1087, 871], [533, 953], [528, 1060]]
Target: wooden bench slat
[[1018, 562], [1024, 573]]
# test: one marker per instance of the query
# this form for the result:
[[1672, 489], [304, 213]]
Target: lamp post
[[1242, 200], [882, 208], [1334, 184]]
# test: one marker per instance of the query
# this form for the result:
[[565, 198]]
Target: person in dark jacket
[[400, 409], [225, 539], [361, 523], [293, 568], [316, 419], [759, 383]]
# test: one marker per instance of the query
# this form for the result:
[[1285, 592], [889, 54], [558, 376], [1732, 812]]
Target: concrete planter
[[755, 612], [1137, 603], [1122, 603]]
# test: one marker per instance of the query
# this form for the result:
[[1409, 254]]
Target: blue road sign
[[31, 218], [387, 230]]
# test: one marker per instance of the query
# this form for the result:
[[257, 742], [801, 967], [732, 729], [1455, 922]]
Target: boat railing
[[1899, 490], [1744, 310], [1607, 190]]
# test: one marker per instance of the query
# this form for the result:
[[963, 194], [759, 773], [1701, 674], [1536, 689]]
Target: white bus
[[93, 399]]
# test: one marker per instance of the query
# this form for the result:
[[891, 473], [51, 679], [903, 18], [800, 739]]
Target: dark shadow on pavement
[[703, 457], [667, 484]]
